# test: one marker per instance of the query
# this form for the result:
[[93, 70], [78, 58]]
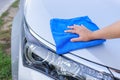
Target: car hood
[[103, 12]]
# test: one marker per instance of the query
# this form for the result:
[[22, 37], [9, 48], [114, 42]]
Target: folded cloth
[[62, 39]]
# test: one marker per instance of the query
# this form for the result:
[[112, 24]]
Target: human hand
[[82, 31]]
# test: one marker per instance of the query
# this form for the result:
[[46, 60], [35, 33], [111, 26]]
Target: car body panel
[[15, 45], [102, 12]]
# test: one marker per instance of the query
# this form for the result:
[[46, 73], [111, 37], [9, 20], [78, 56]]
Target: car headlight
[[116, 73], [40, 57]]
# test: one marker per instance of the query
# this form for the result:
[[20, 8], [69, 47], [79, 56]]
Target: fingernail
[[68, 26], [74, 24], [65, 31], [71, 40], [81, 25]]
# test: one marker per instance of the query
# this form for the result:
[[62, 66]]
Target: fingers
[[82, 31], [72, 28], [76, 39], [70, 31]]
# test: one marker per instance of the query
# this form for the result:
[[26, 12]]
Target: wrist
[[94, 35]]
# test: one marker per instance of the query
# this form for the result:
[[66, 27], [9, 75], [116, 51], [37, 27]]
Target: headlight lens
[[62, 65], [42, 58], [116, 73]]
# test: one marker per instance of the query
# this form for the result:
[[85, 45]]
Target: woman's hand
[[82, 31]]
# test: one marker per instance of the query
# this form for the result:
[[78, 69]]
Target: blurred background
[[8, 9]]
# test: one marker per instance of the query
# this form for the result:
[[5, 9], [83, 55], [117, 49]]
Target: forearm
[[109, 32]]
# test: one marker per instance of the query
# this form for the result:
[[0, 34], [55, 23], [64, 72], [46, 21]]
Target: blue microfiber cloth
[[62, 39]]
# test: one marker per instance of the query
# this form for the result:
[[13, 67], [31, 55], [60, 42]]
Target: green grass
[[5, 35], [5, 59], [15, 4], [5, 66], [1, 18], [1, 22], [4, 14]]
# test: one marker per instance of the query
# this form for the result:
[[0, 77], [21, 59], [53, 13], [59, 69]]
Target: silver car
[[33, 48]]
